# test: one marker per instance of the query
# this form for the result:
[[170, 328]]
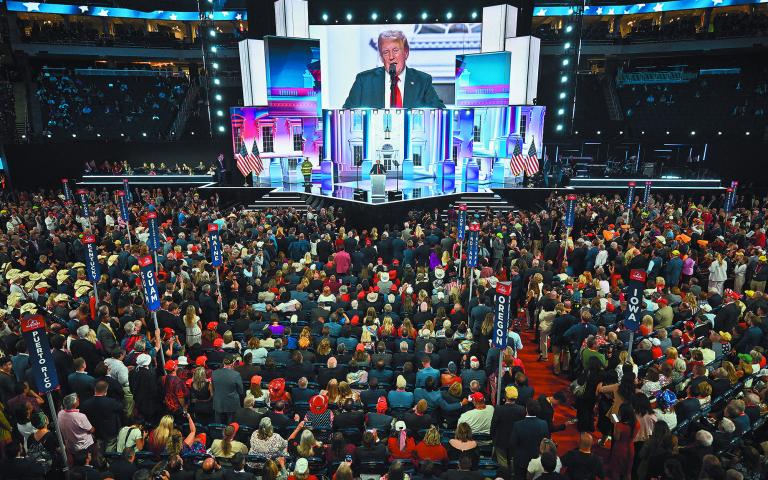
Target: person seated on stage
[[163, 169], [200, 168], [127, 168], [152, 170], [179, 170], [211, 170], [378, 168]]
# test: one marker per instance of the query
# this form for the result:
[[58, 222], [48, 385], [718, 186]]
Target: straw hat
[[111, 260], [13, 299], [78, 265], [61, 276], [82, 291], [28, 308]]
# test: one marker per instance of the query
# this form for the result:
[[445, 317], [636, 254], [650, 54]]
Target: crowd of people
[[320, 348], [122, 107]]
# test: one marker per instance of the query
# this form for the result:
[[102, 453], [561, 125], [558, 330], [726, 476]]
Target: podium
[[378, 185]]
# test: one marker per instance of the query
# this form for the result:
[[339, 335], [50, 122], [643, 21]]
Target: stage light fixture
[[559, 127], [215, 65], [98, 135], [566, 62], [621, 132], [399, 15], [569, 29], [576, 132], [214, 49], [23, 136], [473, 14], [449, 15], [143, 134], [599, 132], [349, 16], [49, 135], [424, 15], [374, 16], [719, 133], [219, 113], [192, 133], [747, 133], [218, 97], [221, 128], [122, 134], [216, 81], [693, 132], [642, 132], [325, 17], [562, 95], [213, 33], [667, 132], [561, 111], [567, 45], [564, 79], [74, 135]]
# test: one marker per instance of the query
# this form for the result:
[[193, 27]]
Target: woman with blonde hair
[[229, 342], [193, 326], [387, 328], [346, 393], [730, 369], [307, 446], [323, 351], [227, 446], [625, 359], [157, 441], [331, 392], [430, 448]]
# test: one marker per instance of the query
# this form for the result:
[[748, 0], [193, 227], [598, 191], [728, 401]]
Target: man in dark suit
[[237, 472], [378, 169], [412, 88], [504, 418], [123, 468], [227, 389], [247, 415], [106, 414], [526, 437]]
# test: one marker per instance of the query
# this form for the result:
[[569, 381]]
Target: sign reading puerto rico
[[40, 357]]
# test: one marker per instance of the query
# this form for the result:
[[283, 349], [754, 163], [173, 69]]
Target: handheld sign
[[123, 203], [473, 245], [501, 315], [634, 299], [647, 192], [630, 195], [40, 358], [462, 226], [728, 199], [570, 210], [93, 269], [67, 191], [153, 241], [213, 235], [149, 281], [83, 196], [127, 190]]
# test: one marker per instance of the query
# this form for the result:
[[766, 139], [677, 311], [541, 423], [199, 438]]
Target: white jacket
[[718, 271]]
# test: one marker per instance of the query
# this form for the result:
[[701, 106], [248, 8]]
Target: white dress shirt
[[400, 84]]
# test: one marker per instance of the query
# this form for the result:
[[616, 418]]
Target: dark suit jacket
[[526, 437], [368, 90], [504, 418]]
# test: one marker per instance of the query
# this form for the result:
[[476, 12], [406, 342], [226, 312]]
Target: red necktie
[[398, 96]]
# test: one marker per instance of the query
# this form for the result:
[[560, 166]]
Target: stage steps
[[273, 199], [478, 202]]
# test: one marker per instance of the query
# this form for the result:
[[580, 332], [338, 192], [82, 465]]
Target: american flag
[[249, 162], [517, 162], [532, 161]]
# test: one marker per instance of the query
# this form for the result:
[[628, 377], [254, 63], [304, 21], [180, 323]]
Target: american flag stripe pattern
[[532, 160], [248, 162], [517, 162]]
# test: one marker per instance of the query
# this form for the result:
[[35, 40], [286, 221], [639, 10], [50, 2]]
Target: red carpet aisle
[[542, 379]]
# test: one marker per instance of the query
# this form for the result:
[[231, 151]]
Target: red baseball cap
[[256, 380], [201, 360], [318, 404], [477, 397], [170, 365], [213, 325], [381, 405], [218, 342]]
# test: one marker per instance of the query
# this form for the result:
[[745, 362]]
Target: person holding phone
[[625, 426]]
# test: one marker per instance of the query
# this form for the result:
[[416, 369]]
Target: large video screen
[[425, 137], [255, 130], [347, 50], [482, 80], [293, 76], [498, 132]]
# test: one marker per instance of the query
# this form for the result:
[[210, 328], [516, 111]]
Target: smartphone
[[348, 459], [615, 418]]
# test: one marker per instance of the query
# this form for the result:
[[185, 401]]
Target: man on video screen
[[413, 89]]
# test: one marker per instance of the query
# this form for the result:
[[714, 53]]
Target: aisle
[[541, 378]]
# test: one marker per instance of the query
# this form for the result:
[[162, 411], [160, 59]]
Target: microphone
[[392, 83]]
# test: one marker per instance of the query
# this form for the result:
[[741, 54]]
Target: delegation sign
[[40, 357]]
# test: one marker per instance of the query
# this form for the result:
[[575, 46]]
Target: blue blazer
[[368, 90]]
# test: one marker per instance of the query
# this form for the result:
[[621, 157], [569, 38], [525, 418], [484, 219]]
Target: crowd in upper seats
[[110, 107], [319, 348]]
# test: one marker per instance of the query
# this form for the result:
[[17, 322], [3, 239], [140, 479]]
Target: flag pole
[[62, 448]]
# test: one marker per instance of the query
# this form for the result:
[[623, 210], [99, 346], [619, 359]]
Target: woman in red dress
[[623, 449]]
